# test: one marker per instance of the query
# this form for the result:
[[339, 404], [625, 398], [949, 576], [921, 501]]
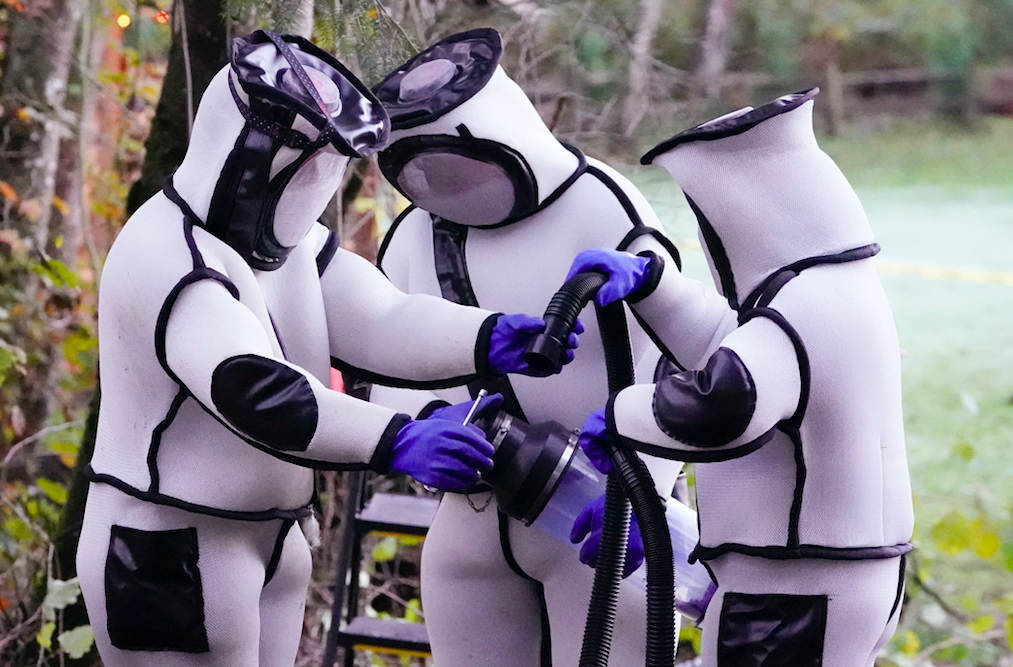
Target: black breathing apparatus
[[284, 77]]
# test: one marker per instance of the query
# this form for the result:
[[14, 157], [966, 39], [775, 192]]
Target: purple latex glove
[[592, 436], [626, 272], [589, 524], [440, 453], [510, 339], [457, 413]]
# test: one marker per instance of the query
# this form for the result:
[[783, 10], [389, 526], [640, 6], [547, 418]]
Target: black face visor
[[469, 181], [286, 74], [285, 77]]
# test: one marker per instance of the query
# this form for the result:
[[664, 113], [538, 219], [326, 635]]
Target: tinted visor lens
[[467, 181], [458, 188]]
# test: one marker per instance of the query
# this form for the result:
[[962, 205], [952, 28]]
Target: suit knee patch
[[154, 597], [772, 630]]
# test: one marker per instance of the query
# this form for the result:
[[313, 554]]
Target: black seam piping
[[279, 543], [673, 453], [163, 315], [795, 514], [327, 252], [900, 587], [731, 127], [657, 340], [302, 462], [161, 499], [156, 437], [802, 551], [642, 230], [582, 167], [508, 554], [277, 335], [390, 235], [619, 194], [379, 378], [198, 260], [718, 255], [804, 368], [852, 255], [791, 426]]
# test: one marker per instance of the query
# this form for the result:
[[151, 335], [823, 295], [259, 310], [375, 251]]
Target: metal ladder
[[390, 514]]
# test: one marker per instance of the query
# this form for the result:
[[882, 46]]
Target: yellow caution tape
[[928, 271], [976, 276], [408, 653]]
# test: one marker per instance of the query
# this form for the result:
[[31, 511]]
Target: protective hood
[[466, 143], [273, 133], [764, 194]]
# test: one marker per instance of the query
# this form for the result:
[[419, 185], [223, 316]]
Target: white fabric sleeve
[[728, 409], [411, 402], [383, 335], [684, 317], [209, 330]]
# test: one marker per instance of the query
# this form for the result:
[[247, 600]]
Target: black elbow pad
[[267, 401], [709, 407]]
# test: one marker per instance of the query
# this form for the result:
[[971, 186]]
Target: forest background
[[96, 101]]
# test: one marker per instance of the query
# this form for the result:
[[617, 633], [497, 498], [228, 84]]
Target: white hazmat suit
[[791, 404], [223, 306], [500, 209]]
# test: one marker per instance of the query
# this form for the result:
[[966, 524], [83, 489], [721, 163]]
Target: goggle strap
[[300, 72], [277, 132]]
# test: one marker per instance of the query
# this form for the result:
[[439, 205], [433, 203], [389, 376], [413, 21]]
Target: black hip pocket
[[154, 598], [772, 630]]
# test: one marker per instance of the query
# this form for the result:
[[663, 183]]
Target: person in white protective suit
[[790, 400], [223, 306], [500, 208]]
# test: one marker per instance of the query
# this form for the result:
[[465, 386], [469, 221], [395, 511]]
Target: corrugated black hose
[[629, 479]]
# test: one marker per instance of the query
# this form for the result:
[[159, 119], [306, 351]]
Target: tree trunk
[[638, 97], [714, 49], [199, 50], [33, 125]]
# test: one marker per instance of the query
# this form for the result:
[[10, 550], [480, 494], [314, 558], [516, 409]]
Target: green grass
[[936, 195], [928, 152]]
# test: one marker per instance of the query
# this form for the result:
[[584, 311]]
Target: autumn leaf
[[8, 192], [31, 209], [61, 206], [11, 238], [23, 114]]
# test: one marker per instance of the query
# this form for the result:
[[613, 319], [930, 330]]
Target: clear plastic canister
[[582, 483]]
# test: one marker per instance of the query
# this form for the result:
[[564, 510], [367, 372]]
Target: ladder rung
[[382, 634], [397, 513]]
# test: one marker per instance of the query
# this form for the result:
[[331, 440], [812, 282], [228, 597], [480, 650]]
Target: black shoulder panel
[[709, 407], [266, 400]]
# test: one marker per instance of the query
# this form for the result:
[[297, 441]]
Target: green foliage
[[275, 15]]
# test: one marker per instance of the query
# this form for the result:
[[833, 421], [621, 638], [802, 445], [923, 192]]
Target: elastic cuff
[[384, 452], [482, 346], [654, 270], [431, 407]]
